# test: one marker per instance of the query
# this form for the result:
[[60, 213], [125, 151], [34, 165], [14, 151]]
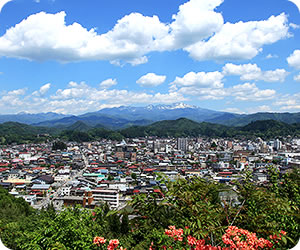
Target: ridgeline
[[13, 132]]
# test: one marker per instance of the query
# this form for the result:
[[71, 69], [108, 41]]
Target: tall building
[[182, 144], [277, 144]]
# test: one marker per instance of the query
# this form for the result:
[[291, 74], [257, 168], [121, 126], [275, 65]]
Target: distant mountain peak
[[179, 105]]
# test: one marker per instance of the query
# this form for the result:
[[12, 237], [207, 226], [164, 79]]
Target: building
[[182, 144], [110, 196]]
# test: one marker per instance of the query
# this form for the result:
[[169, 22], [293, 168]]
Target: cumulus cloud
[[196, 28], [200, 79], [289, 102], [249, 72], [43, 90], [250, 92], [242, 40], [45, 36], [151, 80], [294, 59], [108, 83], [204, 85], [297, 78], [195, 21], [210, 86], [78, 98]]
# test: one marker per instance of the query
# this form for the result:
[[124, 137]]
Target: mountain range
[[127, 116], [13, 132]]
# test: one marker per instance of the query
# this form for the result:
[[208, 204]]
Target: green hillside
[[14, 132]]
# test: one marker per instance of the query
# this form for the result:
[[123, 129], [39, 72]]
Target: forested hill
[[183, 128], [12, 132]]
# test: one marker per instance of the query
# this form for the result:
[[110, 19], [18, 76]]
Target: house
[[258, 176], [45, 179]]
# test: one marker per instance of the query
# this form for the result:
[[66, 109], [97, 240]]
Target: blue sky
[[80, 56]]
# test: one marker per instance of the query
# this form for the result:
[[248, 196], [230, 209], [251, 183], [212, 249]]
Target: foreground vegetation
[[192, 205]]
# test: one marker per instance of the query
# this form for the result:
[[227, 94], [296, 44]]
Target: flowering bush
[[243, 239], [101, 242], [234, 238]]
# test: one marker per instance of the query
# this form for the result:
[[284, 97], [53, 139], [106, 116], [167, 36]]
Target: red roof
[[3, 169], [136, 191], [38, 168], [149, 169], [225, 173]]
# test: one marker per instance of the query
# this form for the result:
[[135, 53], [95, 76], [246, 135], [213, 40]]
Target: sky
[[78, 56]]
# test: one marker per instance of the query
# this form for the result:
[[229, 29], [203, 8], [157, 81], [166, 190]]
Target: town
[[113, 172]]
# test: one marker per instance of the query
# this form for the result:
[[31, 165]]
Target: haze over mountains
[[126, 116]]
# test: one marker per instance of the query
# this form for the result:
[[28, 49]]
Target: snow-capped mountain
[[179, 105], [161, 112]]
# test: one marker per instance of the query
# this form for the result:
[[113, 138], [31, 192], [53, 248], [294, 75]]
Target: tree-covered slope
[[242, 120], [17, 132]]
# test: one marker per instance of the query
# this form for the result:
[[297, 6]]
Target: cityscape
[[113, 172], [136, 125]]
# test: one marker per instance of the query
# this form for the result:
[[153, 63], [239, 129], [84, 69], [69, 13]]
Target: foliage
[[59, 145], [192, 204], [186, 128], [13, 132]]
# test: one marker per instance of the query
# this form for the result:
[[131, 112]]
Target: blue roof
[[40, 186]]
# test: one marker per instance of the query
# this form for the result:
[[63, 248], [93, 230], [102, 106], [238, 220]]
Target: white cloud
[[250, 72], [270, 56], [250, 92], [108, 83], [209, 86], [45, 36], [233, 110], [3, 2], [44, 89], [196, 20], [79, 98], [294, 26], [297, 78], [289, 102], [294, 59], [242, 40], [151, 80], [200, 80], [204, 85], [17, 92]]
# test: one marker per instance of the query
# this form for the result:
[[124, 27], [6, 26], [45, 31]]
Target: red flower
[[283, 232], [99, 240], [191, 240]]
